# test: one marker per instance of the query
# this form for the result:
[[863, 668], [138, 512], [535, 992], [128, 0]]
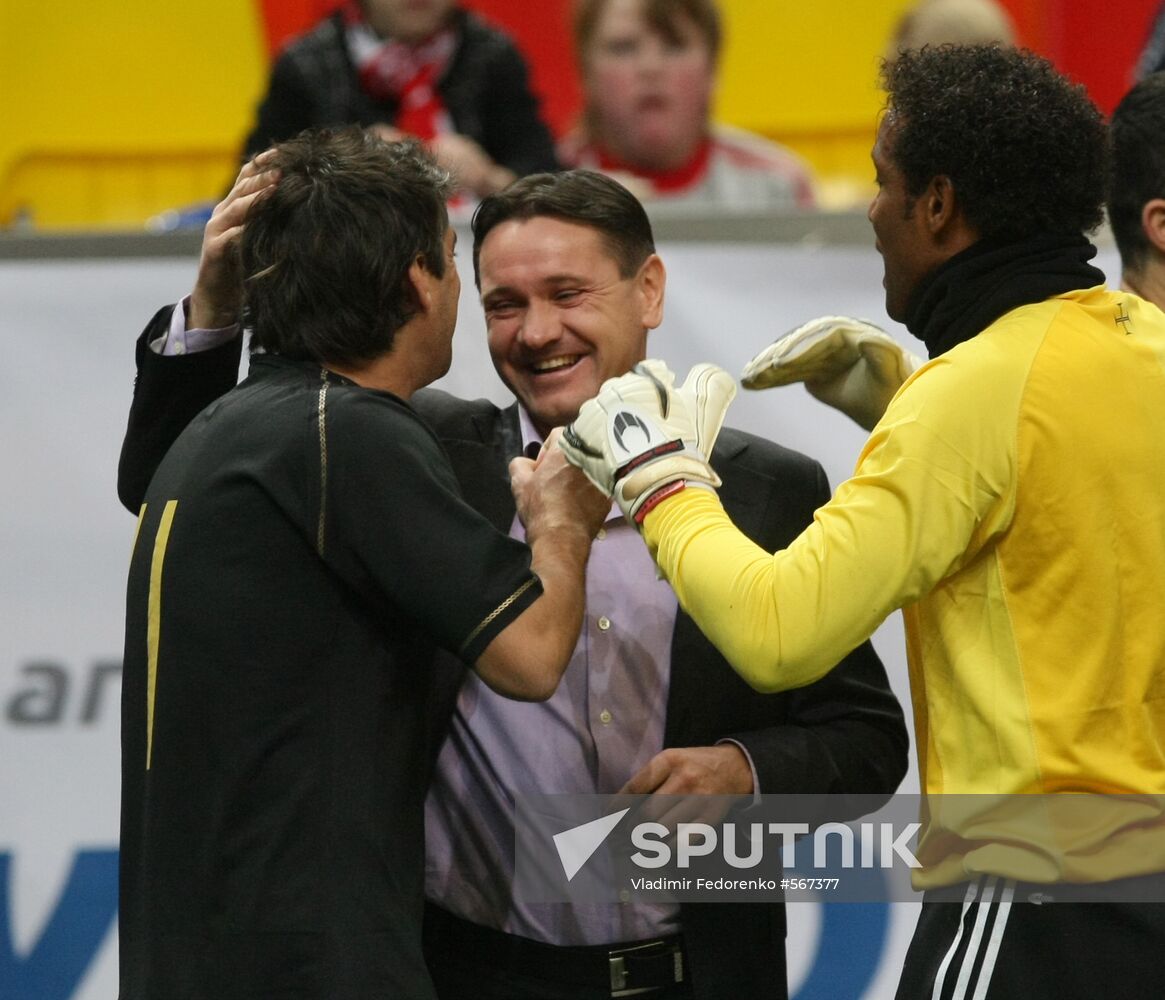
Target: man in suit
[[571, 285]]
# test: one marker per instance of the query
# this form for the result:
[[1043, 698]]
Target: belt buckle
[[618, 968]]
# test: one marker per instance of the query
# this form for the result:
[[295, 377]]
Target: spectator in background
[[1136, 188], [649, 72], [422, 68], [958, 22]]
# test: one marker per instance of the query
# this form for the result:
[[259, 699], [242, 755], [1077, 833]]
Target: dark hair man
[[302, 551], [1136, 188], [1010, 502], [571, 286]]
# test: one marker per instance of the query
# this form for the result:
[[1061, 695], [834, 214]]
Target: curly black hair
[[1024, 147], [1137, 167]]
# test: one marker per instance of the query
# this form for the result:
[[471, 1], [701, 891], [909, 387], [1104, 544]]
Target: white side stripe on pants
[[940, 978], [992, 952], [976, 943]]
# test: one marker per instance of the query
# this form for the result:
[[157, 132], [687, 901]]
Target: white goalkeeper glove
[[848, 364], [641, 439]]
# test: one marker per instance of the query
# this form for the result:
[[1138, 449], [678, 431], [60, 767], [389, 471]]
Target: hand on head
[[217, 296]]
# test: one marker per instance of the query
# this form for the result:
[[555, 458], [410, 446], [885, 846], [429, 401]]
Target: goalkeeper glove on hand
[[641, 439], [846, 363]]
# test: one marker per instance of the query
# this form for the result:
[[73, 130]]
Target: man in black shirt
[[302, 551]]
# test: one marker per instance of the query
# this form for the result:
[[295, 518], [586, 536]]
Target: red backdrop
[[1095, 43]]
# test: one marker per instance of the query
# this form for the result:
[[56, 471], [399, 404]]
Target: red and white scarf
[[407, 74]]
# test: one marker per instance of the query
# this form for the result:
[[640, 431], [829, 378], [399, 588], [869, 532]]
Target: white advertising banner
[[67, 331]]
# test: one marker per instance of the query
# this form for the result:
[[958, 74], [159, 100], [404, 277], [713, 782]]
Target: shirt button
[[179, 347], [604, 623], [605, 717], [601, 535]]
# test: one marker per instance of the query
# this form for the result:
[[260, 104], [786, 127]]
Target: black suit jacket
[[843, 734]]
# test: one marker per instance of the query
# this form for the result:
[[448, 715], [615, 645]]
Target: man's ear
[[1153, 222], [651, 281], [939, 204], [419, 285], [944, 218]]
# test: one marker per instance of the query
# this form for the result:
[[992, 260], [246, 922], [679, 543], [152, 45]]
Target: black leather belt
[[624, 970]]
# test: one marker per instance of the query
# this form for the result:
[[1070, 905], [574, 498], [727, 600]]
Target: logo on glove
[[622, 421], [637, 436], [641, 439]]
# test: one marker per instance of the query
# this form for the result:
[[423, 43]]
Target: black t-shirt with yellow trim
[[302, 550]]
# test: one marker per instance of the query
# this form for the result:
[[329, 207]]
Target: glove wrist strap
[[656, 498]]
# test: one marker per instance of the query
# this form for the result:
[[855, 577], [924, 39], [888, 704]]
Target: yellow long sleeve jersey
[[1012, 502]]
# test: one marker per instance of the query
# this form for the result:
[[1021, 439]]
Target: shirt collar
[[529, 433]]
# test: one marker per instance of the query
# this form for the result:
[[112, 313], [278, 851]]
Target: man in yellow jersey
[[856, 368], [1011, 500]]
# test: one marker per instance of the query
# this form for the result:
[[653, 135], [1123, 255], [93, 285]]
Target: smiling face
[[560, 318], [648, 96]]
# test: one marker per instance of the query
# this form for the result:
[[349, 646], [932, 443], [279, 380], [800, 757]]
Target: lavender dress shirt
[[601, 726]]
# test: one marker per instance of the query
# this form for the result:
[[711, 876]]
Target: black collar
[[967, 293]]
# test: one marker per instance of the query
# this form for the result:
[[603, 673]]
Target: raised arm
[[844, 734], [169, 391], [784, 619], [171, 387]]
